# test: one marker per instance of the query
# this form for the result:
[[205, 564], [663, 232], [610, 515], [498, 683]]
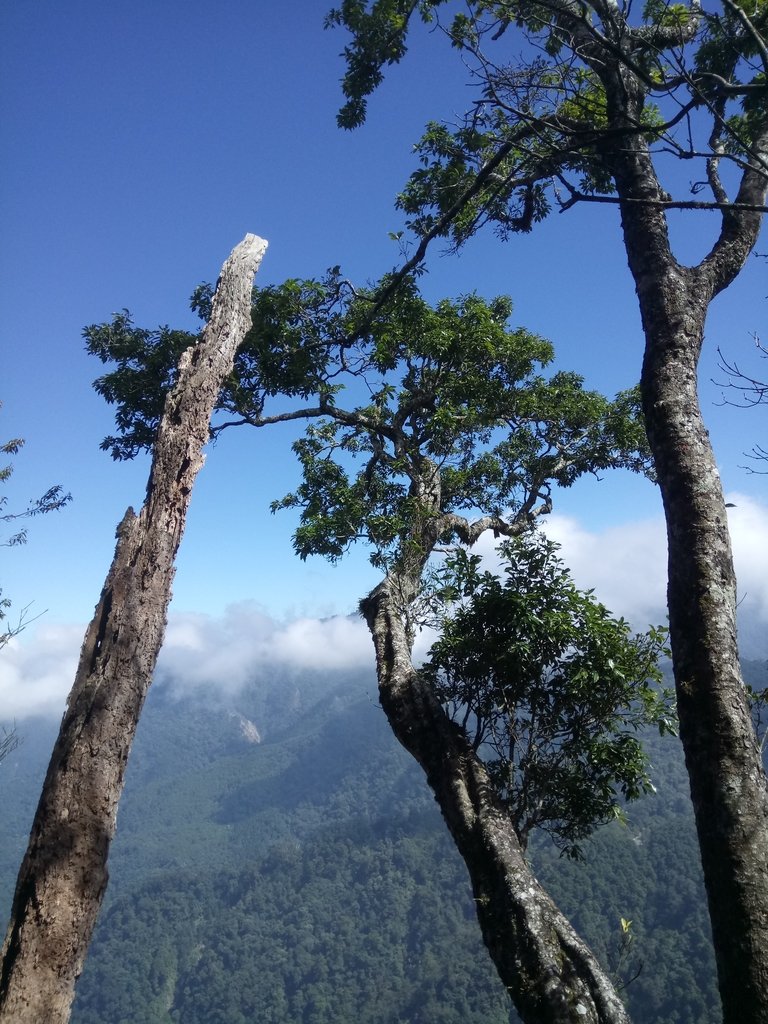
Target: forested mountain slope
[[279, 859]]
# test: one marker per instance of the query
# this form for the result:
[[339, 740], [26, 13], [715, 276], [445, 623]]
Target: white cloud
[[625, 565], [228, 652], [36, 677], [335, 643], [200, 651], [749, 532]]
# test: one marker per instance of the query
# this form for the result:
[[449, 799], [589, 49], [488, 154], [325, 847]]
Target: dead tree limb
[[63, 877]]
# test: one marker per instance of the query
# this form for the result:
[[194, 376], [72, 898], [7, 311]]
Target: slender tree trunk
[[551, 974], [728, 784], [64, 875]]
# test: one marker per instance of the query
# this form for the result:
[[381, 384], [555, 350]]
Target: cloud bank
[[230, 651], [200, 651], [625, 565], [36, 676]]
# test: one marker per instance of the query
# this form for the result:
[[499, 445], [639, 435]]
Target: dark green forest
[[308, 877]]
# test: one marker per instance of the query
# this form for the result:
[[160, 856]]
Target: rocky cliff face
[[247, 728]]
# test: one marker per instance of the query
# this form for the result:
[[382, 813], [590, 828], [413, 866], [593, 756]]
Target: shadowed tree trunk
[[64, 873]]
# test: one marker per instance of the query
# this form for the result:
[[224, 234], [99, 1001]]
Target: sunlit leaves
[[392, 389], [668, 15], [446, 182], [338, 509], [541, 131], [286, 353], [451, 387], [551, 689]]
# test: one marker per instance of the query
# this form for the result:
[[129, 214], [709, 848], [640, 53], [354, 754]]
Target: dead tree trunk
[[64, 875]]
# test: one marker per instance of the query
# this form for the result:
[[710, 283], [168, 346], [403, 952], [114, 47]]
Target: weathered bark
[[728, 784], [64, 873], [551, 974]]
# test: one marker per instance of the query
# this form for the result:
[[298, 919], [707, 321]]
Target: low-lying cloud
[[625, 565], [230, 651], [36, 676], [200, 652]]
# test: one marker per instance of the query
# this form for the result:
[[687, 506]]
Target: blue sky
[[139, 144]]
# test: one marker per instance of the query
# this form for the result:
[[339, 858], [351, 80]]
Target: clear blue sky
[[140, 142]]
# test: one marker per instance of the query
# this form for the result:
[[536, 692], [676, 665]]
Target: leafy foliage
[[146, 371], [379, 40], [454, 388], [552, 690], [539, 135], [286, 353], [452, 384]]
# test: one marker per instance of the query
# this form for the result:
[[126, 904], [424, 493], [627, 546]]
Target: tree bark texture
[[727, 780], [728, 784], [63, 876]]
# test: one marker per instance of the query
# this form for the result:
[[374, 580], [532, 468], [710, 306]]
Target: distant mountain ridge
[[307, 877]]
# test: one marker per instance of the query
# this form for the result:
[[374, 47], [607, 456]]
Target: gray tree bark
[[63, 876], [722, 753]]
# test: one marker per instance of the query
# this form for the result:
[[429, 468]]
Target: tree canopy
[[540, 132], [652, 109], [552, 690], [429, 426], [392, 388]]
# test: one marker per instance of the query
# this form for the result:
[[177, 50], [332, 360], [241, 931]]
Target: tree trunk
[[727, 780], [728, 785], [64, 875], [551, 974]]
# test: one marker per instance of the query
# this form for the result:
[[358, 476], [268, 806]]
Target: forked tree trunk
[[64, 873]]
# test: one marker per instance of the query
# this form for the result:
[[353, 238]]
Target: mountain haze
[[279, 858]]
